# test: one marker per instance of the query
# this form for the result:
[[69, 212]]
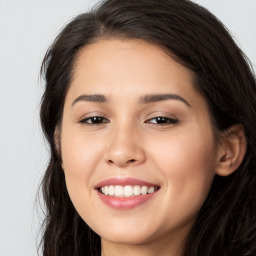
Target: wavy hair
[[190, 34]]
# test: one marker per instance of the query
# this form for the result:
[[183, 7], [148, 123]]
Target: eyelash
[[94, 120], [159, 120], [162, 120]]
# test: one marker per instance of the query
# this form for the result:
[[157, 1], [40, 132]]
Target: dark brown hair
[[226, 224]]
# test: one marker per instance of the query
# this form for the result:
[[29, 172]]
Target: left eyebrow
[[162, 97]]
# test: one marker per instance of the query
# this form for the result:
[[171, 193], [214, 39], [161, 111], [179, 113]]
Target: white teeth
[[106, 190], [111, 190], [144, 190], [151, 190], [127, 191], [136, 190], [119, 191]]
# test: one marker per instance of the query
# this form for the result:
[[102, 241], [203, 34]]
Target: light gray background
[[26, 30]]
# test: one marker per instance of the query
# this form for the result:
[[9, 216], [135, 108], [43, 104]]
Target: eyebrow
[[162, 97], [99, 98], [91, 98]]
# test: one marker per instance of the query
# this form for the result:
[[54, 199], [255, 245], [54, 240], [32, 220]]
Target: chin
[[129, 234], [127, 238]]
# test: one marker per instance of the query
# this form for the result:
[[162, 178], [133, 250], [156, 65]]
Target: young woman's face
[[138, 149]]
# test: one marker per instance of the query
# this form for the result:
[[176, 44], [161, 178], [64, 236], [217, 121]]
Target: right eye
[[94, 120]]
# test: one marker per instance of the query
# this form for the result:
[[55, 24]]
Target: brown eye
[[161, 120], [94, 120]]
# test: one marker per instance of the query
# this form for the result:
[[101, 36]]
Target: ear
[[232, 149]]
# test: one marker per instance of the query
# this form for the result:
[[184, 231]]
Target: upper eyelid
[[83, 120], [166, 117], [93, 114], [155, 114], [161, 115]]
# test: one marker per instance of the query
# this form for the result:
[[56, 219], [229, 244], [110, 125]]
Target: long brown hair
[[226, 224]]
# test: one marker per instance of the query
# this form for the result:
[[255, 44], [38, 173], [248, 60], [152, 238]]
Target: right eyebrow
[[90, 98]]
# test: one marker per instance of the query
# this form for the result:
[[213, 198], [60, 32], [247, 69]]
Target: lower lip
[[123, 203]]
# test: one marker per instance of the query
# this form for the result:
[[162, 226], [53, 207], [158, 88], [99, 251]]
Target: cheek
[[80, 157], [188, 165], [79, 153]]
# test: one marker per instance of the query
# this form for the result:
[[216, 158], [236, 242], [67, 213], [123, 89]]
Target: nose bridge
[[125, 147]]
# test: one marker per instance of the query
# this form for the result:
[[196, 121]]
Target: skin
[[182, 157]]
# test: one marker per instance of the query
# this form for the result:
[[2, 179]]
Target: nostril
[[122, 162]]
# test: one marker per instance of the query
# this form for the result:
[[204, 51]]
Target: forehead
[[113, 59], [127, 54], [118, 68]]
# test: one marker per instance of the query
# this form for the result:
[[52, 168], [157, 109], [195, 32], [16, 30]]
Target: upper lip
[[124, 182]]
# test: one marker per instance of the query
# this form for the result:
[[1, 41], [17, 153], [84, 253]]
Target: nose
[[125, 148]]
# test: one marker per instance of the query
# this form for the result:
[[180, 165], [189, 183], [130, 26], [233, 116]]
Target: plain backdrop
[[26, 30]]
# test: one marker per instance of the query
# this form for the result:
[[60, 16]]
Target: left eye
[[161, 120], [94, 120]]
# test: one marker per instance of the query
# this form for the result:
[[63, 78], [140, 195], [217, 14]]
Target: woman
[[149, 110]]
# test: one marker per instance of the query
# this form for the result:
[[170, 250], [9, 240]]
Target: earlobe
[[232, 149]]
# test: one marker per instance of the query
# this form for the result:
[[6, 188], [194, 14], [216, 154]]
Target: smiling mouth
[[127, 191]]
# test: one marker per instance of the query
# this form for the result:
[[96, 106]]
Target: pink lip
[[124, 182], [122, 203]]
